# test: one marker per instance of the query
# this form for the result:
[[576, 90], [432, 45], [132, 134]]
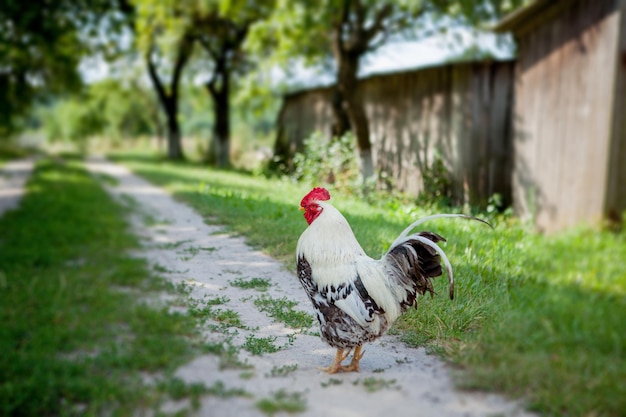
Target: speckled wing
[[351, 297]]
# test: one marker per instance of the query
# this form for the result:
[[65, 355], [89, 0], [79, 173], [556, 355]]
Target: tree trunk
[[341, 122], [347, 85], [219, 151], [174, 147], [170, 108], [169, 99]]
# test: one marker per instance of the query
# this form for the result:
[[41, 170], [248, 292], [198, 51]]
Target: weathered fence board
[[457, 112], [569, 111]]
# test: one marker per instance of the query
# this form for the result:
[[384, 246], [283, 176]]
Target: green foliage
[[72, 342], [128, 110], [108, 108], [41, 47], [534, 316], [74, 119], [304, 30], [331, 163], [437, 184]]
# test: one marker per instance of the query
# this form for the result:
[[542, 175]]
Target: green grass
[[282, 309], [205, 310], [282, 401], [281, 371], [372, 384], [259, 284], [260, 345], [227, 353], [74, 337], [541, 318]]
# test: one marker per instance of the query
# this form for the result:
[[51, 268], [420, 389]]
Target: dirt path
[[13, 177], [394, 381]]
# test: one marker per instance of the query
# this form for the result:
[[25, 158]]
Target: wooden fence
[[458, 113], [570, 112]]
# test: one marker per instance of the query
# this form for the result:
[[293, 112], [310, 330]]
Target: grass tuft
[[282, 309], [281, 371], [260, 345], [259, 284], [282, 401]]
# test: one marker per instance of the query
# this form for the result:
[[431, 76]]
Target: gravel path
[[13, 177], [395, 380]]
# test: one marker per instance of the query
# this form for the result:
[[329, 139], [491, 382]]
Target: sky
[[391, 57], [408, 55]]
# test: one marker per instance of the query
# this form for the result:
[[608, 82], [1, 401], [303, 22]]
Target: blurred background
[[507, 103]]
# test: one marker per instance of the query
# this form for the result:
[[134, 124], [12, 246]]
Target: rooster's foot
[[340, 357], [354, 363], [336, 366]]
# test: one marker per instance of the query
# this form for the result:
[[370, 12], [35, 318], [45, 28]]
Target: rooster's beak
[[301, 208]]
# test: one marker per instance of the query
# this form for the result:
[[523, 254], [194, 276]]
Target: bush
[[334, 163]]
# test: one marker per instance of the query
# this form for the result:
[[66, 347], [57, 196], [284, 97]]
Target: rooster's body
[[356, 298]]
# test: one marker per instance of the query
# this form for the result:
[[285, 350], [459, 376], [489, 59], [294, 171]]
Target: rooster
[[356, 298]]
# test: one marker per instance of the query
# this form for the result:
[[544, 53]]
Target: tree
[[354, 29], [221, 37], [40, 48], [169, 95], [163, 36], [347, 30], [220, 28]]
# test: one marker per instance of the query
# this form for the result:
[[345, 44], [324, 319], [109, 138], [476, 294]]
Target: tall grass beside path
[[76, 337], [541, 318]]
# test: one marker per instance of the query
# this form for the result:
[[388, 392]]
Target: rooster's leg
[[336, 365], [354, 363]]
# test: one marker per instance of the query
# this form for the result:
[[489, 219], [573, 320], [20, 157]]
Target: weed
[[217, 301], [164, 270], [208, 311], [331, 382], [247, 375], [281, 371], [260, 345], [218, 389], [259, 284], [184, 288], [174, 245], [177, 390], [282, 310], [372, 384], [282, 401], [228, 354]]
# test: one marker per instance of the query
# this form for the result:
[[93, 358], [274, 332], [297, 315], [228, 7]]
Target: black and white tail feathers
[[415, 260]]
